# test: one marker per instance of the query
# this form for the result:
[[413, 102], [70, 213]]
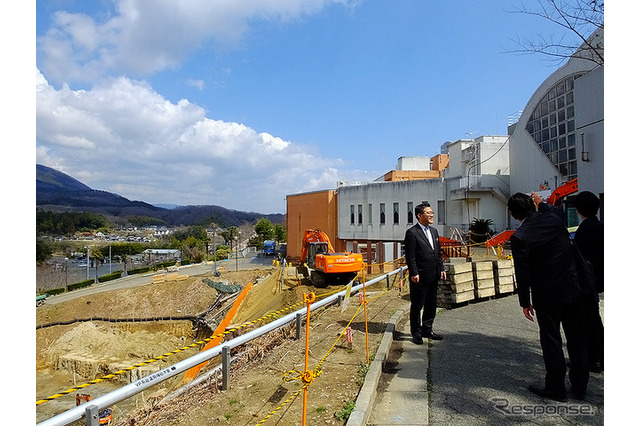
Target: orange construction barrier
[[192, 373]]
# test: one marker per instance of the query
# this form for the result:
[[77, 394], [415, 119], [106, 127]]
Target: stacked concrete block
[[483, 278], [459, 285], [504, 276]]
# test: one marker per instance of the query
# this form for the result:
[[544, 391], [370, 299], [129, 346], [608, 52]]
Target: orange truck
[[323, 265]]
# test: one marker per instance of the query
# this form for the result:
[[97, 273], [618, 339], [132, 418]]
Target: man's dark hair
[[520, 205], [420, 208], [587, 203]]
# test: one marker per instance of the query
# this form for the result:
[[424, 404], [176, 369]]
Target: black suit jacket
[[421, 258], [544, 264], [590, 240]]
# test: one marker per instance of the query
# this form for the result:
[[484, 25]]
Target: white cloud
[[123, 137], [143, 37], [198, 84]]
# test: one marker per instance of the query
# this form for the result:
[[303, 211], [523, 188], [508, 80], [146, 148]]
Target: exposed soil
[[257, 386]]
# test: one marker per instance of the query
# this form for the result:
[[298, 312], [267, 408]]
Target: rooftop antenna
[[471, 135], [513, 118]]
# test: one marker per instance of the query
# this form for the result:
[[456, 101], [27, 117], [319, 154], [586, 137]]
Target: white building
[[161, 255], [560, 134], [477, 182], [558, 137], [475, 185]]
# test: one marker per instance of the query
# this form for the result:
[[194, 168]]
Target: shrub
[[109, 277], [81, 284], [139, 270]]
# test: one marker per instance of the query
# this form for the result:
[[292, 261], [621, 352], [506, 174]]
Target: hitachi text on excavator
[[322, 265]]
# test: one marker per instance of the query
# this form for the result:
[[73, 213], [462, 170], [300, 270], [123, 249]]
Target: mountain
[[57, 191], [50, 180]]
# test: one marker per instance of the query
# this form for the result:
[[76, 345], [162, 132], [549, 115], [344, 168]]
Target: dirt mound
[[270, 295], [109, 341], [90, 349], [67, 355]]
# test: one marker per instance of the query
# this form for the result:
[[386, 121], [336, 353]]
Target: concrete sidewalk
[[477, 375]]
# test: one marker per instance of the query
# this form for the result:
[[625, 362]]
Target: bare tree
[[579, 18]]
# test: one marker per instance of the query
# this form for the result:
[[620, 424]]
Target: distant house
[[161, 255]]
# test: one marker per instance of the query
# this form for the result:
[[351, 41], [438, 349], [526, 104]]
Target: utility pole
[[88, 257]]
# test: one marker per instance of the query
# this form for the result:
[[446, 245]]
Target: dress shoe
[[543, 392], [417, 339], [433, 336], [580, 395], [595, 368]]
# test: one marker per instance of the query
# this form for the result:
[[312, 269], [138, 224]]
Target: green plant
[[321, 410], [346, 411], [81, 284], [480, 230], [362, 373], [109, 277]]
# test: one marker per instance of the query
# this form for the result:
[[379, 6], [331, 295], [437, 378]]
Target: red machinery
[[553, 198]]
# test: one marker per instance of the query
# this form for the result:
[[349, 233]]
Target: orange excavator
[[551, 197], [556, 196], [323, 265]]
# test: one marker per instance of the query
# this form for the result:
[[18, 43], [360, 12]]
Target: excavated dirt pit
[[71, 355]]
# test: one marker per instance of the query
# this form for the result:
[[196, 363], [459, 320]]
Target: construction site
[[94, 344], [85, 339]]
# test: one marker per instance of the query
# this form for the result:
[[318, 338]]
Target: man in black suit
[[590, 241], [547, 276], [424, 259]]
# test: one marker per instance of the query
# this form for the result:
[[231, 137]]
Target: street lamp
[[236, 238], [66, 274], [88, 256], [215, 257]]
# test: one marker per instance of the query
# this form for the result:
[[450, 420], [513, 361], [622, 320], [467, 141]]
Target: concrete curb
[[367, 395]]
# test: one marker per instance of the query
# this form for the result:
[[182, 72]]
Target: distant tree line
[[193, 242], [68, 223]]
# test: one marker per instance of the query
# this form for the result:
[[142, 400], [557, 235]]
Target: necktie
[[428, 233]]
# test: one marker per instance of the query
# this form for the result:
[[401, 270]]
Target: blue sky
[[240, 103]]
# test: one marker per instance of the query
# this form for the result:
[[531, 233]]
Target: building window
[[369, 214], [382, 217], [396, 213], [359, 214], [441, 212], [554, 117], [410, 212], [352, 214]]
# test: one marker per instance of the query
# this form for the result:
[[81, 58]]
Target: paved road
[[143, 279], [477, 375]]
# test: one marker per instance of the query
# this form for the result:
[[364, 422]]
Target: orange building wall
[[440, 162], [398, 175], [313, 210]]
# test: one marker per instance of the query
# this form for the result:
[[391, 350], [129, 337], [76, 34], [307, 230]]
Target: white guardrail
[[90, 409]]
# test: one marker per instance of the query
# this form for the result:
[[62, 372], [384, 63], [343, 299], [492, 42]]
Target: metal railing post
[[298, 325], [226, 365], [91, 414]]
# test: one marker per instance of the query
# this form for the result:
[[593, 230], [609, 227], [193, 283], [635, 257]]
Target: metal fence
[[90, 409]]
